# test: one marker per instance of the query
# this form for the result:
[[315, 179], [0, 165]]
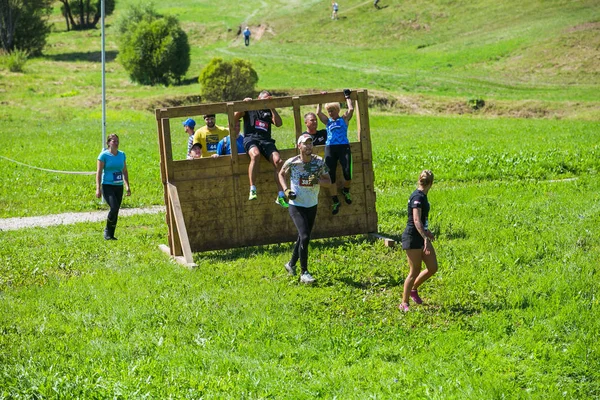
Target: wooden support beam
[[387, 241], [180, 223], [298, 121], [178, 259]]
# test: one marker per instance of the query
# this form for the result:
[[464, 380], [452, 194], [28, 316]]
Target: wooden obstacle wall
[[207, 199]]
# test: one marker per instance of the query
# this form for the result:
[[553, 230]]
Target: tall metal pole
[[103, 80]]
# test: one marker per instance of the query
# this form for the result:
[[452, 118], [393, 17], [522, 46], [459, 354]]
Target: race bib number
[[117, 177], [305, 181], [261, 125], [211, 143]]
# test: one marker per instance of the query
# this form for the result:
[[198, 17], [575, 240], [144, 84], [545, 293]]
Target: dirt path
[[11, 224]]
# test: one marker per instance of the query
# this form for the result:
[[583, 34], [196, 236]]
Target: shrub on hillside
[[228, 80], [24, 25], [153, 49], [16, 60]]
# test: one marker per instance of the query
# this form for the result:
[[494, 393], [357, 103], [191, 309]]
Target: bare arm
[[348, 114], [325, 180], [427, 236], [276, 118], [322, 116], [283, 178], [126, 179], [99, 168]]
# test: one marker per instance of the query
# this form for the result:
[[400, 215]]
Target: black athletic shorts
[[265, 146], [412, 240]]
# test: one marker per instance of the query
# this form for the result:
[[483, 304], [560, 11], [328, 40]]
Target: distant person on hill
[[258, 140], [209, 135], [334, 6], [376, 4], [195, 152], [247, 34], [306, 172], [111, 175], [337, 147], [189, 125], [224, 146], [319, 137], [416, 240]]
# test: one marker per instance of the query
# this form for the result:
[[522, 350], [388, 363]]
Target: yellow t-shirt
[[209, 138]]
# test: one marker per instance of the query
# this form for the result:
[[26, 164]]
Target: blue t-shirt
[[223, 148], [337, 132], [113, 167]]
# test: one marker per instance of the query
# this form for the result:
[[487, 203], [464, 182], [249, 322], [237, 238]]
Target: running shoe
[[306, 278], [347, 196], [414, 295], [336, 207], [252, 195], [281, 201], [403, 307], [291, 269]]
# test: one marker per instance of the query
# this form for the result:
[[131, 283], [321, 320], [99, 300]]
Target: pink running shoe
[[403, 307], [414, 295]]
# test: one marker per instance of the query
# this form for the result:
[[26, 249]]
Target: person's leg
[[300, 216], [113, 195], [254, 154], [430, 261], [345, 158], [277, 162], [295, 215], [414, 257]]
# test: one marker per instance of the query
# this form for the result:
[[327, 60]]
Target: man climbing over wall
[[257, 141]]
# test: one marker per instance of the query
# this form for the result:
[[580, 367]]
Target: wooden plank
[[163, 178], [180, 175], [191, 111], [364, 130], [387, 241], [233, 139], [298, 121], [180, 223]]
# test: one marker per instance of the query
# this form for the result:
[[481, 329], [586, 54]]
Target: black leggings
[[343, 154], [113, 195], [304, 219]]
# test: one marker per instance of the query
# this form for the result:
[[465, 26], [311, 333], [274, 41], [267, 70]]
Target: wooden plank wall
[[212, 193]]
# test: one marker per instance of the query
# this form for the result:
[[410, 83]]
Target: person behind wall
[[209, 135], [189, 125], [258, 140], [247, 34], [416, 241], [111, 175], [224, 146], [337, 147], [319, 137], [306, 172], [195, 152]]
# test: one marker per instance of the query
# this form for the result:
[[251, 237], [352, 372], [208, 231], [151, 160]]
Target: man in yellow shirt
[[210, 135]]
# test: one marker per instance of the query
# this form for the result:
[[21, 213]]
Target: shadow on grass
[[278, 249], [187, 82], [92, 56]]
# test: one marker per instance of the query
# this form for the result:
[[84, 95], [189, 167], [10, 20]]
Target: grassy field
[[513, 311]]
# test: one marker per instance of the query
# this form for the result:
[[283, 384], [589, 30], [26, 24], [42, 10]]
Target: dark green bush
[[228, 80], [153, 48], [24, 25]]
